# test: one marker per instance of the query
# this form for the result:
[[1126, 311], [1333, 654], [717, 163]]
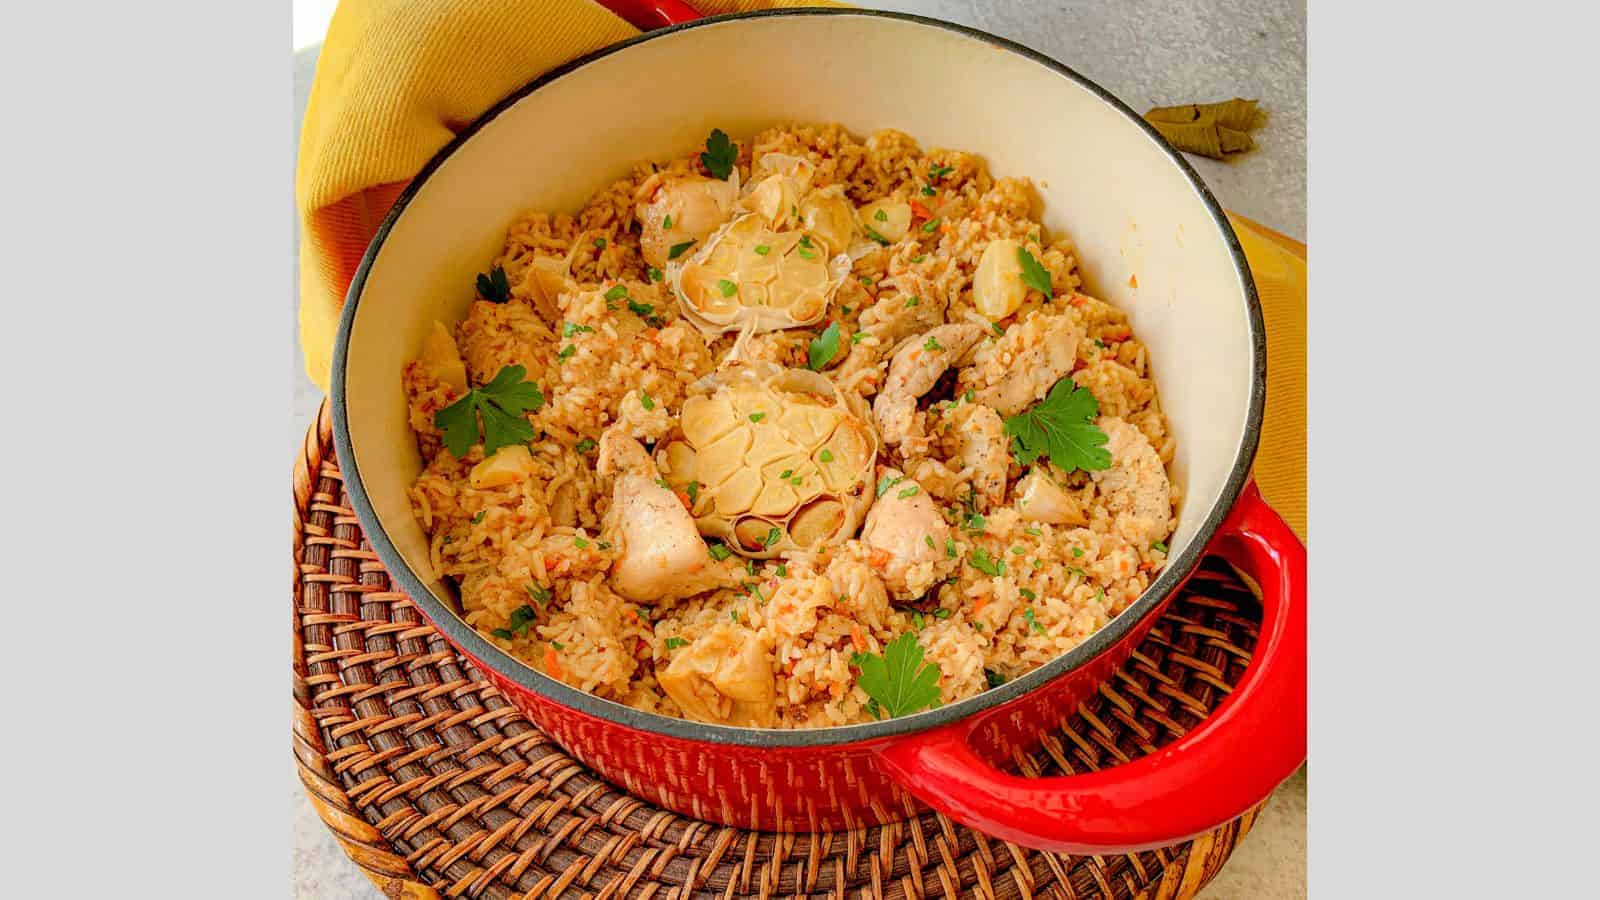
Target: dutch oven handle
[[1249, 744], [647, 14]]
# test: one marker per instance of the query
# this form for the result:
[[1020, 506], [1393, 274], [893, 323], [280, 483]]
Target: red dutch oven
[[1151, 239]]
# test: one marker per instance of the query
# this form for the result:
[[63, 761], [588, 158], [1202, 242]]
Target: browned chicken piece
[[1017, 370], [675, 209], [982, 451], [913, 370], [906, 537], [660, 554], [724, 677], [1135, 489]]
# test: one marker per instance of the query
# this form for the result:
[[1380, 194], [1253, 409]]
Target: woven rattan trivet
[[436, 786]]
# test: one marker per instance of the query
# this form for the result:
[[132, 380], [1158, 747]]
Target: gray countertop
[[1148, 53]]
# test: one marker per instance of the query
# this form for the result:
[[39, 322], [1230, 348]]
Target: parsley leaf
[[981, 561], [824, 347], [539, 593], [677, 250], [617, 292], [693, 491], [719, 155], [584, 446], [938, 172], [1033, 274], [502, 404], [521, 618], [675, 642], [826, 455], [655, 274], [719, 552], [898, 680], [494, 287], [727, 287], [1061, 425]]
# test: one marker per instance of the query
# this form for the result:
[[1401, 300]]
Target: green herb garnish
[[645, 400], [675, 642], [772, 536], [540, 594], [1027, 616], [599, 243], [727, 287], [719, 552], [932, 345], [478, 519], [1033, 274], [938, 172], [898, 681], [584, 446], [880, 215], [655, 274], [874, 235], [930, 226], [693, 490], [1062, 426], [823, 348], [908, 492], [580, 543], [980, 560], [566, 351], [617, 292], [950, 548], [568, 329], [719, 155], [757, 416], [1159, 545], [494, 287], [913, 302], [826, 455], [677, 250], [994, 678], [502, 405], [887, 482], [763, 249]]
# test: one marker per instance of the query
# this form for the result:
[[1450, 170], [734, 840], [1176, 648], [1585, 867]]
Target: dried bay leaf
[[1214, 130]]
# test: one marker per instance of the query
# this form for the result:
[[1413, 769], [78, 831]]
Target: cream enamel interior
[[1103, 181]]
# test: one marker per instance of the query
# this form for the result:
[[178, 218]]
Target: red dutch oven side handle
[[647, 14], [1249, 744]]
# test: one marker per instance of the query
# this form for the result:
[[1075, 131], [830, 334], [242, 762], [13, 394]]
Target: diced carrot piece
[[878, 558], [552, 663], [856, 639], [1133, 281], [918, 211]]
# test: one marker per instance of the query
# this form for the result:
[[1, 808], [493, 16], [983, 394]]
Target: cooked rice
[[550, 533]]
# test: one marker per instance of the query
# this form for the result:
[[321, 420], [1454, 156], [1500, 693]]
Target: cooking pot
[[1151, 239]]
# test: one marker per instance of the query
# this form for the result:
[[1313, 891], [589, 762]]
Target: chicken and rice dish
[[798, 431]]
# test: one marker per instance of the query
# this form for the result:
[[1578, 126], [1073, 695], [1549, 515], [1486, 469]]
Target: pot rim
[[486, 654]]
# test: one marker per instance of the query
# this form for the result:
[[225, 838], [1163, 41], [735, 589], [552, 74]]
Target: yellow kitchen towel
[[397, 79]]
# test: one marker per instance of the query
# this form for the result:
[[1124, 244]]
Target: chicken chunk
[[724, 677], [913, 370], [673, 210], [982, 450], [906, 536], [1022, 366], [1135, 489], [1040, 499], [660, 554]]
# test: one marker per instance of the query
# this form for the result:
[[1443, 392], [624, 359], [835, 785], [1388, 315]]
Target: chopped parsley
[[908, 492], [733, 614], [568, 329], [928, 539], [502, 404], [823, 348], [782, 570], [826, 455], [1027, 616], [928, 190], [655, 274], [719, 552], [994, 678], [677, 250], [599, 243], [1033, 274], [645, 400], [566, 352], [1061, 426], [866, 281], [807, 253], [980, 560], [874, 235], [662, 483], [1027, 594], [950, 548], [917, 621], [998, 329], [675, 642], [918, 258], [913, 301], [785, 473], [617, 292], [938, 172], [897, 681], [880, 215], [494, 287], [1032, 531], [930, 226], [975, 523], [580, 543], [584, 446], [763, 249], [520, 619], [558, 645], [1159, 545], [540, 594], [772, 537], [932, 345], [941, 613], [727, 287], [478, 519], [719, 155], [1077, 551], [858, 337], [642, 310], [693, 490], [757, 416], [887, 482], [666, 222]]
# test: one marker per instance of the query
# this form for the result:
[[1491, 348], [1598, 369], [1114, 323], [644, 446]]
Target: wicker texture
[[436, 787]]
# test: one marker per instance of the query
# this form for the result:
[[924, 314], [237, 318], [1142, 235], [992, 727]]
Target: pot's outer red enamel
[[945, 758]]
